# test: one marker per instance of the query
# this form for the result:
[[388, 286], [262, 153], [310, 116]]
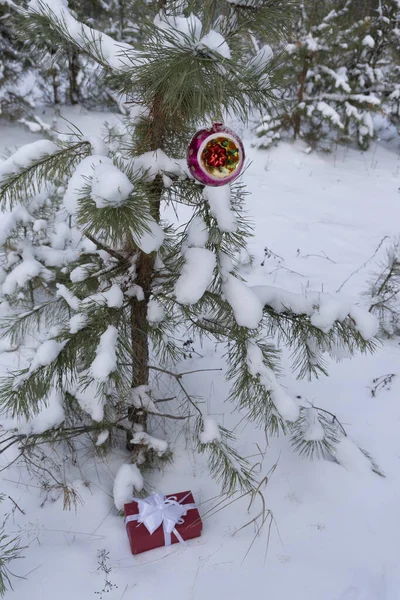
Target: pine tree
[[112, 288], [340, 73]]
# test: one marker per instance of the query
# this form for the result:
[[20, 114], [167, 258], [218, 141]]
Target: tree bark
[[73, 72], [300, 95], [153, 140]]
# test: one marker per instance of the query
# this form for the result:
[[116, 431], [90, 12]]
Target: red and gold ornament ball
[[215, 156]]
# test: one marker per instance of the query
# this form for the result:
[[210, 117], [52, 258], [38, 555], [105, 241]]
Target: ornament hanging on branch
[[215, 156]]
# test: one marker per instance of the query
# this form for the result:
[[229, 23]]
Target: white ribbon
[[156, 510]]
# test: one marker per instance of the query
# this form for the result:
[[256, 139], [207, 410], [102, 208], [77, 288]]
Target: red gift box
[[141, 540]]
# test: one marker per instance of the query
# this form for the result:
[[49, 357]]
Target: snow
[[143, 438], [368, 41], [28, 269], [77, 322], [219, 199], [60, 236], [141, 398], [46, 353], [127, 478], [196, 275], [259, 62], [340, 77], [106, 359], [79, 274], [349, 455], [110, 187], [10, 220], [210, 431], [311, 43], [197, 232], [215, 41], [330, 113], [262, 58], [150, 164], [150, 240], [155, 312], [80, 180], [114, 296], [245, 304], [50, 414], [52, 257], [90, 401], [102, 437], [39, 225], [72, 301], [314, 430]]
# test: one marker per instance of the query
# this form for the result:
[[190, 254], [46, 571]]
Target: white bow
[[156, 510]]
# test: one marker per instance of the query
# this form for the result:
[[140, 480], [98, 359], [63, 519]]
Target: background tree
[[70, 76], [340, 72]]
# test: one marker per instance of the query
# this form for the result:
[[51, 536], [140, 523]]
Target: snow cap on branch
[[127, 478], [187, 32], [196, 275], [286, 406]]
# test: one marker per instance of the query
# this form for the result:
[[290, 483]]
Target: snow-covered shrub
[[10, 550], [341, 70], [384, 292]]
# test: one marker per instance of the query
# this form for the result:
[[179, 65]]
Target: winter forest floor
[[335, 531]]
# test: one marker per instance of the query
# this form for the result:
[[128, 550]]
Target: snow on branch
[[187, 32], [219, 199], [153, 163], [322, 309], [340, 77], [32, 166], [245, 303], [286, 406], [127, 478], [330, 113], [110, 187], [142, 438], [25, 271], [9, 221], [25, 156], [196, 275], [101, 47], [106, 358]]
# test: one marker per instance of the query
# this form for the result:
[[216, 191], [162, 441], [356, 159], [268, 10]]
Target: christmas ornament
[[215, 156]]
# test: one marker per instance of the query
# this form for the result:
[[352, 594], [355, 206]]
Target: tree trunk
[[73, 72], [153, 139], [300, 95]]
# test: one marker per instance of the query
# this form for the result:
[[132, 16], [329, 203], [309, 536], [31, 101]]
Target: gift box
[[161, 520]]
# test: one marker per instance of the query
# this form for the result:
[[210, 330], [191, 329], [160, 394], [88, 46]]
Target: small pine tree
[[384, 292], [99, 288], [339, 73]]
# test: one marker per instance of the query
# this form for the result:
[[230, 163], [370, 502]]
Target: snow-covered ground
[[335, 531]]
